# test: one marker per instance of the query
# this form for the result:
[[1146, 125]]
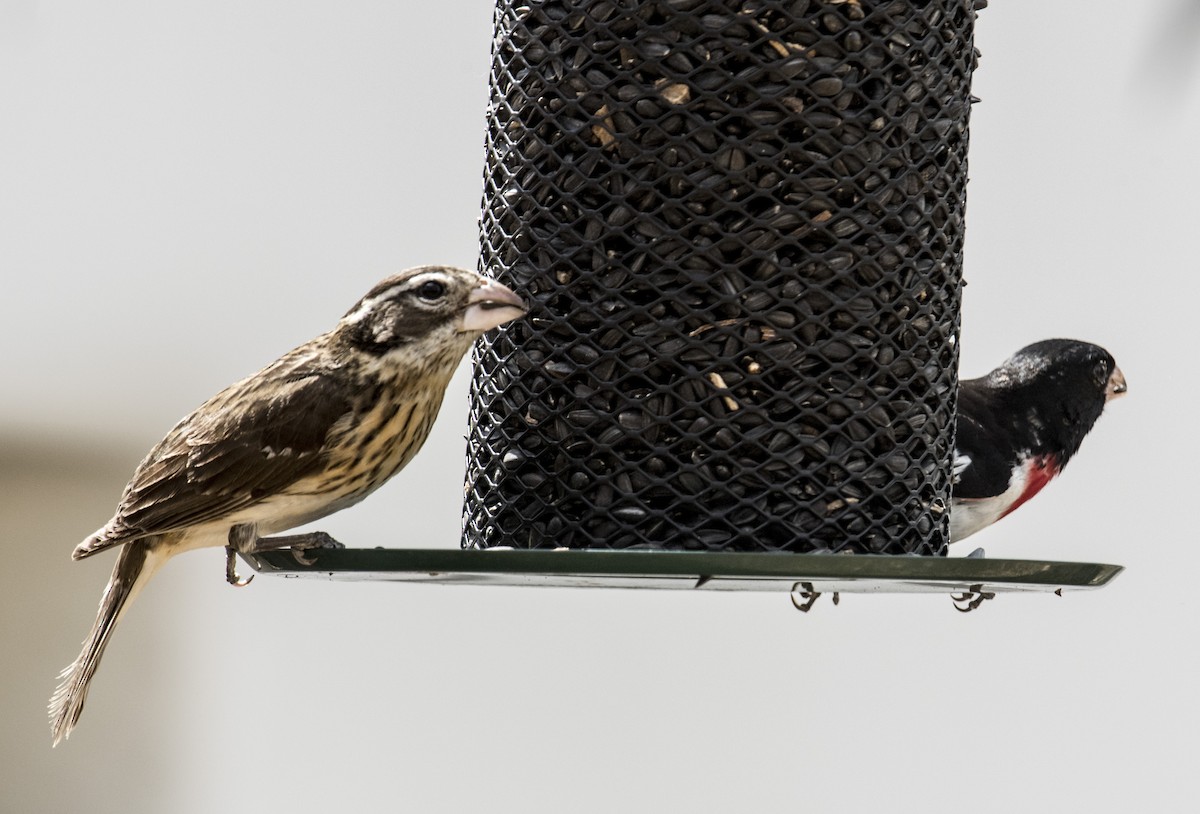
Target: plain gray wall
[[188, 190]]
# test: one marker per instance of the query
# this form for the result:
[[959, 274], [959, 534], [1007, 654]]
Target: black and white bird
[[1019, 425], [313, 432]]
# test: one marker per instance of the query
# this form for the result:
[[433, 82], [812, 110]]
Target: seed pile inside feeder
[[740, 226]]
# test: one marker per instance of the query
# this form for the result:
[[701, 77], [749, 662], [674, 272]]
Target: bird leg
[[231, 574], [298, 543], [244, 539], [241, 538], [971, 598]]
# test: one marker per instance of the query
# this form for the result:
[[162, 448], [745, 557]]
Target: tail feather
[[137, 563], [102, 540]]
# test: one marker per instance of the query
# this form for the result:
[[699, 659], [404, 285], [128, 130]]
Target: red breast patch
[[1039, 471]]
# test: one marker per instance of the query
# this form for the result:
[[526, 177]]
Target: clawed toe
[[971, 598], [807, 594], [318, 539], [231, 574]]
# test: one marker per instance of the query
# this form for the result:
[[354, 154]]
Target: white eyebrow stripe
[[368, 303]]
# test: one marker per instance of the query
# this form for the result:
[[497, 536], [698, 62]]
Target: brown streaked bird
[[315, 431]]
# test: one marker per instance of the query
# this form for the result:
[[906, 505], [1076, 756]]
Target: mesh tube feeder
[[740, 227]]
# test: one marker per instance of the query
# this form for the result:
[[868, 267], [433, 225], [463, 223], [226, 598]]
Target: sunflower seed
[[728, 221]]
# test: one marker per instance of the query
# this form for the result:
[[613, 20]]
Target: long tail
[[137, 563]]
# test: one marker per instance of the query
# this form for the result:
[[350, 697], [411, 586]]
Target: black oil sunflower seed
[[740, 226]]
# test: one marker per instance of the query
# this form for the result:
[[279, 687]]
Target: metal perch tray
[[690, 570]]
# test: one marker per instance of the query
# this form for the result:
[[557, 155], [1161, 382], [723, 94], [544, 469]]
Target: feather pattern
[[1020, 425], [312, 433], [213, 464]]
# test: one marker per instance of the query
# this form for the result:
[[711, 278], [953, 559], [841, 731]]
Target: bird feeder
[[739, 225]]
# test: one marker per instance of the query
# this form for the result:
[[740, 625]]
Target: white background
[[189, 189]]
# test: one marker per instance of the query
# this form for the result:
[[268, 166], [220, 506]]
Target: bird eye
[[431, 290], [1100, 372]]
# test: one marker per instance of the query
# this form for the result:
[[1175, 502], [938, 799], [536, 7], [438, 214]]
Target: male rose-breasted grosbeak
[[312, 433], [1020, 424]]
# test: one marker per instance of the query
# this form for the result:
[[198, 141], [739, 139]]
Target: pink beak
[[1116, 385], [490, 304]]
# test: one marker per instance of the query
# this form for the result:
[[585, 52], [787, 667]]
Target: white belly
[[969, 516]]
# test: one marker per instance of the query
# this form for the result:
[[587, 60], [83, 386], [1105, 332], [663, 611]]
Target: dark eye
[[431, 290], [1100, 372]]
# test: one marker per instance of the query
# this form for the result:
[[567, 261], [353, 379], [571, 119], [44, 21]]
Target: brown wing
[[248, 442]]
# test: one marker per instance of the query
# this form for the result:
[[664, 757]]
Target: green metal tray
[[708, 571]]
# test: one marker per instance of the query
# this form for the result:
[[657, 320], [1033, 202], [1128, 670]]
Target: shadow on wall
[[53, 492]]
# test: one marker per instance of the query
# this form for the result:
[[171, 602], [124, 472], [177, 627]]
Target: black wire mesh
[[740, 225]]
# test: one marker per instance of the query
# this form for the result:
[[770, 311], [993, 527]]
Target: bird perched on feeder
[[1020, 424], [312, 433]]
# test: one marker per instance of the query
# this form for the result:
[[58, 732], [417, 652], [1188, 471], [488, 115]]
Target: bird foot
[[810, 595], [300, 543], [244, 539], [231, 574], [971, 598]]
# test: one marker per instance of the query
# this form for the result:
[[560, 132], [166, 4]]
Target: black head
[[1056, 389], [437, 305]]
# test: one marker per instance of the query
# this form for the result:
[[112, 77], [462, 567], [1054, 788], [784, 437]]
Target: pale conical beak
[[490, 304], [1116, 385]]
